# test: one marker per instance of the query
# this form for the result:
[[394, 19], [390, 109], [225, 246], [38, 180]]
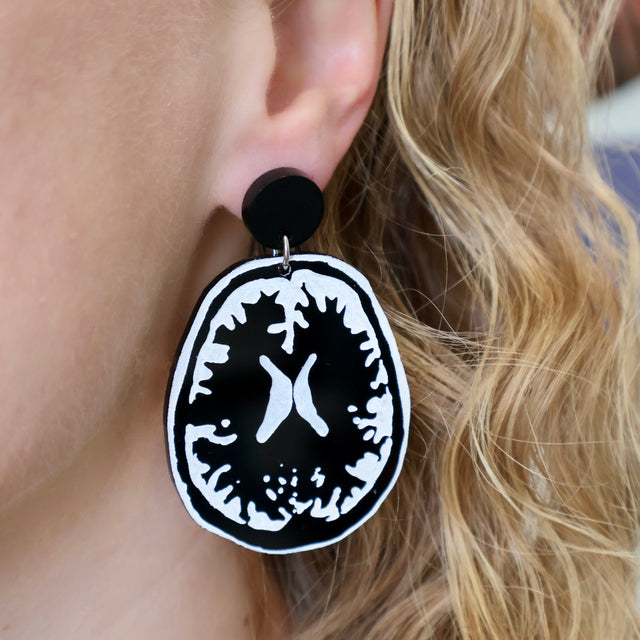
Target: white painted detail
[[367, 469], [382, 377], [283, 395], [382, 421], [211, 353], [282, 480], [330, 512], [230, 312], [266, 478], [225, 423], [304, 403], [271, 494], [370, 345], [299, 507], [234, 507], [318, 477], [352, 408], [261, 520], [322, 288], [289, 298], [294, 481], [280, 401], [208, 432], [214, 497]]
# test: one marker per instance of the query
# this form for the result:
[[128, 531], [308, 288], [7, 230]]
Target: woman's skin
[[129, 132]]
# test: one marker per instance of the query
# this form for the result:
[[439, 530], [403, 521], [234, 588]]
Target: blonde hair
[[510, 275]]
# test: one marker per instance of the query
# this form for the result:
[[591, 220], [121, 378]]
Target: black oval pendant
[[288, 407]]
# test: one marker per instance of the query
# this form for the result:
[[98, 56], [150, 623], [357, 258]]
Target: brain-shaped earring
[[288, 407]]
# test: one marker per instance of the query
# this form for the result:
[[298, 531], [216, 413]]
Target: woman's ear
[[312, 67]]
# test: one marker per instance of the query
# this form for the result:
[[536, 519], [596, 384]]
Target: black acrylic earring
[[288, 406]]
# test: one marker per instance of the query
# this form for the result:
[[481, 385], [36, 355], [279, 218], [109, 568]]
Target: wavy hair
[[510, 274]]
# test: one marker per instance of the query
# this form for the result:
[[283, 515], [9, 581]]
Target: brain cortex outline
[[288, 407]]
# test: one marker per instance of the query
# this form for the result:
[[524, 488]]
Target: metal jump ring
[[285, 267]]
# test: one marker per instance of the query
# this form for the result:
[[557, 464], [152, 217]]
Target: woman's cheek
[[105, 148]]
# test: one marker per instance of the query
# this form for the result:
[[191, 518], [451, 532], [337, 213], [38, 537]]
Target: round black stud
[[282, 202]]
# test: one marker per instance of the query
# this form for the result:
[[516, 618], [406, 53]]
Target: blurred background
[[615, 118], [625, 43]]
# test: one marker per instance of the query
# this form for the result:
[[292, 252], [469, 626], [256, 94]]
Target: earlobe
[[328, 55]]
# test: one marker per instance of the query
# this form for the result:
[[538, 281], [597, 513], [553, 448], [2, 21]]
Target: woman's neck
[[105, 549]]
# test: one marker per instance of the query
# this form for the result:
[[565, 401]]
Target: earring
[[287, 407]]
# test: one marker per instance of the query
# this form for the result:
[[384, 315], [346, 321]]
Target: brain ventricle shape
[[288, 407]]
